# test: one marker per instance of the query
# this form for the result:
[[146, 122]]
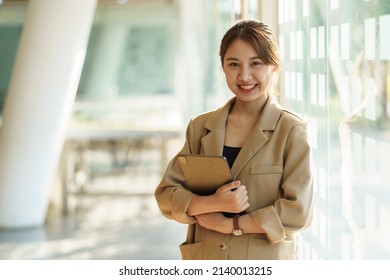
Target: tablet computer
[[205, 174]]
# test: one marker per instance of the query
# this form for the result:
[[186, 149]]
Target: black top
[[230, 153]]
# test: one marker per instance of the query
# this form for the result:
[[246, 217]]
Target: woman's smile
[[247, 88]]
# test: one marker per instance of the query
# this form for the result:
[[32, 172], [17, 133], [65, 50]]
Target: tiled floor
[[110, 228], [117, 226]]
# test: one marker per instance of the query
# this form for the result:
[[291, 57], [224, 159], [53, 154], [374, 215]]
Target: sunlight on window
[[337, 74]]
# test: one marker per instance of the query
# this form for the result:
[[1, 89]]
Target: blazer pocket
[[264, 185], [266, 169], [261, 249], [192, 251]]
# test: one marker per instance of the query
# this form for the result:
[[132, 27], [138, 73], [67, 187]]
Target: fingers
[[231, 186], [240, 198], [243, 200], [232, 197], [244, 205], [235, 189]]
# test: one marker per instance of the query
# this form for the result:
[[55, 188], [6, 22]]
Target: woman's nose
[[245, 74]]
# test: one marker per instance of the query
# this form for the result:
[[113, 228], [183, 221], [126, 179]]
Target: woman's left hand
[[215, 221]]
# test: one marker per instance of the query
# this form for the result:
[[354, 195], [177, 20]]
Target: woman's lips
[[247, 88]]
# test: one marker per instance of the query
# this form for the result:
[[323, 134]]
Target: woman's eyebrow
[[232, 58], [236, 59]]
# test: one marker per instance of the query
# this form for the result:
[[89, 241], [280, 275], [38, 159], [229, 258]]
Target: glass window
[[344, 78], [129, 72], [11, 18], [127, 57]]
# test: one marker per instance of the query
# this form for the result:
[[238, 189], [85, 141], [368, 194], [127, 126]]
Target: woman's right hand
[[232, 198]]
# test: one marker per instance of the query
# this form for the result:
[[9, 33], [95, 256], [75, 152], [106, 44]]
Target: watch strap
[[236, 225]]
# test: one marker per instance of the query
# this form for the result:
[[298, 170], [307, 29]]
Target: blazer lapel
[[258, 138], [213, 141]]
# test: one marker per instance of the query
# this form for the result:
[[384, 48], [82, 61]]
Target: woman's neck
[[249, 109], [241, 121]]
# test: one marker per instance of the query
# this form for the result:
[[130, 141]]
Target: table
[[82, 138]]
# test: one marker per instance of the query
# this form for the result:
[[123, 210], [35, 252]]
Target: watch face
[[237, 232]]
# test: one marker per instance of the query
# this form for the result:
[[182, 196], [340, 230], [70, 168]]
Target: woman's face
[[246, 74]]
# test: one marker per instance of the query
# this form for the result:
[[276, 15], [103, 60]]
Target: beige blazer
[[274, 165]]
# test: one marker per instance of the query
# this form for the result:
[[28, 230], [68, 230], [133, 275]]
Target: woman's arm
[[218, 222], [290, 213]]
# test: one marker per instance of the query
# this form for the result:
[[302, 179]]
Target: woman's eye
[[256, 63], [233, 64]]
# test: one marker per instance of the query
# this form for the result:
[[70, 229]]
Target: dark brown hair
[[258, 35]]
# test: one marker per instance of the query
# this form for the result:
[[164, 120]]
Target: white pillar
[[38, 104]]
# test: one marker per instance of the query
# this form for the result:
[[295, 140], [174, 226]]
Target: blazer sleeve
[[292, 212], [171, 195]]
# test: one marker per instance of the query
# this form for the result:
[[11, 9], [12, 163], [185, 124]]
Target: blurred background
[[95, 97]]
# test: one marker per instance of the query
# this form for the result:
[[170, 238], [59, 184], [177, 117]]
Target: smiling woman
[[257, 215], [246, 74]]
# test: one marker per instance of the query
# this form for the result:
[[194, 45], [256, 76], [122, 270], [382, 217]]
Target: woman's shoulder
[[202, 120], [292, 116], [213, 115], [287, 115], [204, 115]]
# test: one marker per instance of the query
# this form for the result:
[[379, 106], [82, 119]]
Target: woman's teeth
[[247, 86]]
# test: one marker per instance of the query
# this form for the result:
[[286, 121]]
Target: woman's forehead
[[241, 49]]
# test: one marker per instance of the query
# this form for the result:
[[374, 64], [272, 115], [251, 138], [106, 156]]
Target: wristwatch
[[237, 231]]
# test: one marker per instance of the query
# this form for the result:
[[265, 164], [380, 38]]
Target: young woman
[[268, 151]]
